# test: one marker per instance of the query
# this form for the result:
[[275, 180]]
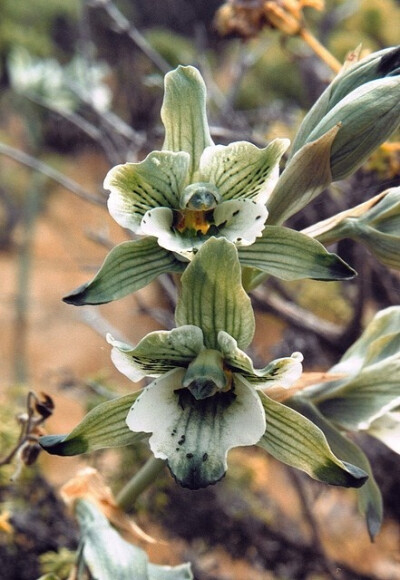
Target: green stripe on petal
[[127, 268], [291, 255], [212, 295], [104, 426], [137, 187], [184, 116], [283, 371], [158, 352], [242, 170], [194, 436], [369, 496], [296, 441]]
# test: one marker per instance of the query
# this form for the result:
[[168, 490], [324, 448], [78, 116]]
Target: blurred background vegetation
[[81, 89]]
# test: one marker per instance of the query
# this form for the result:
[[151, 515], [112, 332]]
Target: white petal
[[241, 221], [195, 436]]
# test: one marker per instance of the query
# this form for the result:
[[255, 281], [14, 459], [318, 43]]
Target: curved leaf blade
[[291, 255], [127, 268], [295, 440], [104, 426], [369, 496]]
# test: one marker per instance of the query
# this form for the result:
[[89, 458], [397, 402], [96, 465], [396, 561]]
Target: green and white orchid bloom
[[194, 189], [177, 198], [206, 396], [203, 400]]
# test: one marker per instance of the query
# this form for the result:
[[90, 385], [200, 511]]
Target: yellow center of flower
[[191, 219], [197, 203]]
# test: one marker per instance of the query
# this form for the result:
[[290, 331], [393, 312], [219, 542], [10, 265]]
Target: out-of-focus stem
[[320, 50], [139, 482]]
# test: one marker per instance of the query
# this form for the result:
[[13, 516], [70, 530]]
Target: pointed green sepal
[[127, 268], [212, 295], [104, 426], [369, 495], [291, 255], [295, 440], [184, 114]]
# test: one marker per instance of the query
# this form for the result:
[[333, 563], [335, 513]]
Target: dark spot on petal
[[235, 212], [182, 440], [189, 455], [258, 217], [205, 457], [239, 239]]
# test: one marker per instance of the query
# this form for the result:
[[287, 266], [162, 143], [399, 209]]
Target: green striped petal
[[158, 352], [184, 116], [369, 495], [194, 436], [283, 371], [137, 187], [242, 170], [127, 268], [104, 426], [296, 441], [291, 255], [212, 295]]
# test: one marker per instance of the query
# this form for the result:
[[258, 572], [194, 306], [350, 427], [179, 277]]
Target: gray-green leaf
[[295, 440], [104, 426], [127, 268], [369, 495], [290, 255]]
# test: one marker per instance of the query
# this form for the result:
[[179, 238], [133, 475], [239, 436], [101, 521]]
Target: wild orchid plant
[[212, 215]]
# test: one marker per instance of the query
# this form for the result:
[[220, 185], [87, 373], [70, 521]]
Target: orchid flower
[[192, 190]]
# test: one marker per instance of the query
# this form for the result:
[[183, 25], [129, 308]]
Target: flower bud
[[378, 65], [367, 117]]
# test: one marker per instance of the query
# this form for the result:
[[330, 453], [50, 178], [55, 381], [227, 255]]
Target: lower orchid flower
[[206, 396], [203, 400]]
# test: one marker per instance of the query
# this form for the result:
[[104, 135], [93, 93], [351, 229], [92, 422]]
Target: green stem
[[139, 482]]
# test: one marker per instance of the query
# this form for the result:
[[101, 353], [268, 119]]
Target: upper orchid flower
[[192, 190]]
